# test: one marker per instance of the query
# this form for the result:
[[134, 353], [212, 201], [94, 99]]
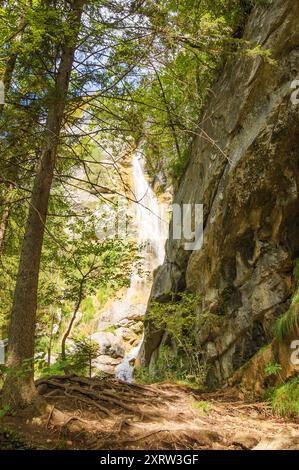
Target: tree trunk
[[19, 389], [4, 222], [71, 323], [90, 366], [51, 338]]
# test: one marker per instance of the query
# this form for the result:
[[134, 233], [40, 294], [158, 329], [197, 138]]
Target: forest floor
[[107, 414]]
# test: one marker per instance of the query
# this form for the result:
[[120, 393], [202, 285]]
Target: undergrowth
[[288, 324], [9, 440], [285, 399], [179, 360], [203, 407], [171, 368]]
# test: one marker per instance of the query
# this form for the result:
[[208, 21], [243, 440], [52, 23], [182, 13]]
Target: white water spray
[[151, 227]]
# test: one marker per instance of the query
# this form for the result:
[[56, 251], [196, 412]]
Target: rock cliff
[[244, 169]]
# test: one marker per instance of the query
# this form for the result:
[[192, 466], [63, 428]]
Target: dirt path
[[107, 414]]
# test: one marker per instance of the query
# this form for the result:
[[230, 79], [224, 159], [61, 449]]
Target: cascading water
[[151, 228], [150, 216]]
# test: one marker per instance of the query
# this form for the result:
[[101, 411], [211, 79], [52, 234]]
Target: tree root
[[91, 403], [93, 391], [141, 438], [50, 416]]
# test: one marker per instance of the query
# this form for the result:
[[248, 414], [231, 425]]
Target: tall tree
[[6, 78], [19, 389]]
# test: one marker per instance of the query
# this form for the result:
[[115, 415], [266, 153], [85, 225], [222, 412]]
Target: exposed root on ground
[[99, 413]]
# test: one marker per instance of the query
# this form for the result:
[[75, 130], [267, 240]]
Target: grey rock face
[[250, 193]]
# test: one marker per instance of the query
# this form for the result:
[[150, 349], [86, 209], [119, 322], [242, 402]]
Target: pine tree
[[19, 389]]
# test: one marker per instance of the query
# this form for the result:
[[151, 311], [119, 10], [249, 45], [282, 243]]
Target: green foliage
[[142, 375], [171, 368], [42, 369], [79, 360], [84, 353], [88, 309], [263, 349], [103, 294], [10, 440], [269, 393], [111, 329], [273, 369], [259, 51], [194, 40], [20, 371], [202, 406], [285, 399], [6, 410], [178, 318], [288, 324], [61, 444]]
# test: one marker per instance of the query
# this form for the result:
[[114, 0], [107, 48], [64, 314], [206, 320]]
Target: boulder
[[137, 327], [136, 312], [107, 363], [110, 344], [126, 334]]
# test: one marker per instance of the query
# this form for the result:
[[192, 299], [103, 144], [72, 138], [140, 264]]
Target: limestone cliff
[[244, 169]]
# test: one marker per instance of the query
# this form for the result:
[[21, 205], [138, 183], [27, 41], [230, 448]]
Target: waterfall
[[150, 215], [151, 229]]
